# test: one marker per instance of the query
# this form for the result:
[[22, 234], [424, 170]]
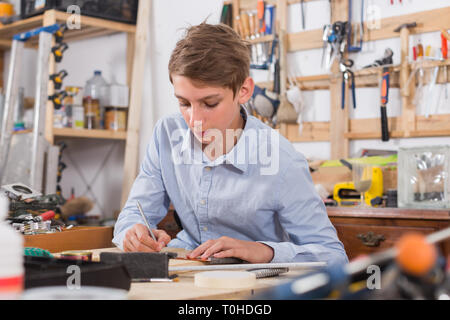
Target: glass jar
[[91, 113], [116, 119], [423, 177]]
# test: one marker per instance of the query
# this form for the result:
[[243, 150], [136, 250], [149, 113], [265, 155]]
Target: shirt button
[[205, 229], [203, 202]]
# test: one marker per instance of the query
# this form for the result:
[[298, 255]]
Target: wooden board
[[78, 238], [134, 113]]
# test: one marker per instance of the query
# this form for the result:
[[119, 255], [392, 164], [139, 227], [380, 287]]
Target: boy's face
[[208, 109]]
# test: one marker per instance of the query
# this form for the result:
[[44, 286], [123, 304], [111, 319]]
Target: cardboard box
[[77, 238]]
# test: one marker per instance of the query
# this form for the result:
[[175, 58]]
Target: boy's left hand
[[226, 247]]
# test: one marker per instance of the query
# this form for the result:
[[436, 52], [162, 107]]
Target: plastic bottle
[[11, 257], [97, 89]]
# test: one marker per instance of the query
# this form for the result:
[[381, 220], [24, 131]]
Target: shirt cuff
[[118, 239], [282, 251]]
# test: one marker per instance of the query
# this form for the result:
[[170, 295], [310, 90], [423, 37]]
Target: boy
[[239, 188]]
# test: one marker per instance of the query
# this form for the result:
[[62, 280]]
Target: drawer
[[367, 239]]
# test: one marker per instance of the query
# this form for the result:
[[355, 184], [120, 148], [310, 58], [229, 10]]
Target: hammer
[[405, 25]]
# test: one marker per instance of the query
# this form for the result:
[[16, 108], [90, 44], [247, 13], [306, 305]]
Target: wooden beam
[[50, 19], [428, 21], [97, 22], [433, 126], [311, 132], [407, 90], [251, 4], [134, 113], [339, 118]]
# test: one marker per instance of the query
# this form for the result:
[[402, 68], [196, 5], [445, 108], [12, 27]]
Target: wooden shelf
[[390, 213], [91, 134], [90, 28]]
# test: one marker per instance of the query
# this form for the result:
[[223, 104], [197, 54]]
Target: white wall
[[168, 19]]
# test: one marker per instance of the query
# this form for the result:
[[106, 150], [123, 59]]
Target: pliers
[[345, 66]]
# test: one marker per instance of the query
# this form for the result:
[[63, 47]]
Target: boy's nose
[[196, 118]]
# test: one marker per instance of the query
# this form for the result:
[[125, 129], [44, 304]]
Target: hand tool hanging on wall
[[355, 30], [327, 48], [58, 78], [58, 51], [347, 75], [385, 60], [384, 101], [302, 7], [444, 52], [227, 15], [261, 12], [337, 40], [59, 35], [58, 99]]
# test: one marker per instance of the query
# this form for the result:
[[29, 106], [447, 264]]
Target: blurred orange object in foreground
[[415, 255]]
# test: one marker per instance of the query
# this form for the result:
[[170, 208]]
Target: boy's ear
[[246, 91]]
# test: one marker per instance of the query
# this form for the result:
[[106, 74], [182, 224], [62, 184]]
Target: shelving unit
[[91, 28], [341, 129]]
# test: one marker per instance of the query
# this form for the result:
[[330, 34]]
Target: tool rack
[[341, 129], [91, 28]]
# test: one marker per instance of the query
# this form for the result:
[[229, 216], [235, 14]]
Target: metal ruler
[[290, 265]]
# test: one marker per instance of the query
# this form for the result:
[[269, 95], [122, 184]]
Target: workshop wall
[[168, 20]]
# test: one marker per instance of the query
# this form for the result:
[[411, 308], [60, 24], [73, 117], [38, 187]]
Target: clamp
[[347, 74]]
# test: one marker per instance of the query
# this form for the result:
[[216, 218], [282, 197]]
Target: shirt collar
[[237, 156]]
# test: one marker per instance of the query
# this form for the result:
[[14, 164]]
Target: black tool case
[[117, 10], [45, 272], [141, 264]]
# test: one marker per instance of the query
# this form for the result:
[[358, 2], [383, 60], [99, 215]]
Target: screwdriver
[[419, 50], [444, 52]]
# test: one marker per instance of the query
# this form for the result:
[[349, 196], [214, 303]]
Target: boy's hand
[[226, 247], [138, 239]]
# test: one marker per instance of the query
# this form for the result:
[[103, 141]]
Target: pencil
[[145, 220]]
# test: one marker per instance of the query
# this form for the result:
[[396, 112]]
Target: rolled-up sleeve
[[303, 216], [148, 189]]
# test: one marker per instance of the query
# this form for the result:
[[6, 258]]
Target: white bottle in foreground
[[11, 257]]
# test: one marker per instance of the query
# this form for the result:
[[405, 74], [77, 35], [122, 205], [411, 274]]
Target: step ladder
[[27, 157]]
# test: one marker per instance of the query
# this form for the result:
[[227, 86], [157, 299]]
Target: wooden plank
[[88, 33], [304, 40], [433, 126], [428, 21], [251, 4], [311, 132], [50, 19], [389, 213], [93, 134], [339, 119], [97, 22], [130, 56], [236, 10], [407, 90], [134, 113]]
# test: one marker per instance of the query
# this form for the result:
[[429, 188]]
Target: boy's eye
[[211, 105], [184, 104]]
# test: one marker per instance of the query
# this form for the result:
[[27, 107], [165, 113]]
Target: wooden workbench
[[185, 289]]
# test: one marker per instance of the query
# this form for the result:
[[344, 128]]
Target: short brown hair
[[213, 55]]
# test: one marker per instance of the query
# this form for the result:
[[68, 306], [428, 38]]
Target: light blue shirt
[[259, 191]]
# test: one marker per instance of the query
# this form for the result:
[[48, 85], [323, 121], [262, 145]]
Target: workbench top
[[185, 289]]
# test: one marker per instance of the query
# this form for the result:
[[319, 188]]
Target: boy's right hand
[[138, 239]]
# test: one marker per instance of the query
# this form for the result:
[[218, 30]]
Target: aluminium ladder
[[25, 156]]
